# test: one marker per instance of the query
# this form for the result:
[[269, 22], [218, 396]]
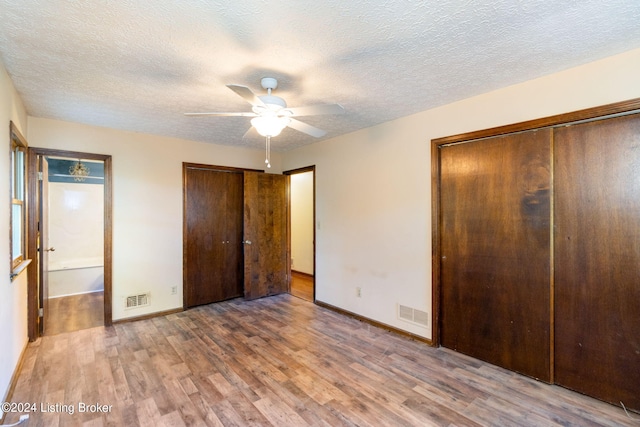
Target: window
[[18, 235]]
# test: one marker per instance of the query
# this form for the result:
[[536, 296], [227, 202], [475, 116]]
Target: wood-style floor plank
[[302, 285], [74, 312], [280, 361]]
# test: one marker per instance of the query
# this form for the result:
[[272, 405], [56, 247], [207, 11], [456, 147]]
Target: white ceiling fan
[[271, 114]]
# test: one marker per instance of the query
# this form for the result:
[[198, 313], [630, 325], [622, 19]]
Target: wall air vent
[[140, 300], [413, 315]]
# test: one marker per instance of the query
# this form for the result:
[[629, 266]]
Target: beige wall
[[13, 295], [373, 200], [302, 222], [147, 202]]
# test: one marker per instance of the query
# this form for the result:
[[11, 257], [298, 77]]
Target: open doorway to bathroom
[[75, 223], [302, 232], [70, 218]]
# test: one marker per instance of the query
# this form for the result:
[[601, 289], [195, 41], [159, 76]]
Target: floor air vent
[[133, 301], [413, 315]]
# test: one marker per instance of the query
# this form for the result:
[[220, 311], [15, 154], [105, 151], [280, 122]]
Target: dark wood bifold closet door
[[597, 259], [495, 250], [266, 270], [213, 235]]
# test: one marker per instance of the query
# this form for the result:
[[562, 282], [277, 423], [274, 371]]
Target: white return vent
[[140, 300], [413, 315]]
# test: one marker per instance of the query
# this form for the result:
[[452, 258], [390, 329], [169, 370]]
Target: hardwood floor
[[280, 361], [302, 285], [75, 312]]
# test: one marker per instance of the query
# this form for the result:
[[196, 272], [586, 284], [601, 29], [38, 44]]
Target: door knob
[[248, 242]]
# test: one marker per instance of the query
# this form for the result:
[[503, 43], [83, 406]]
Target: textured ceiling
[[139, 65]]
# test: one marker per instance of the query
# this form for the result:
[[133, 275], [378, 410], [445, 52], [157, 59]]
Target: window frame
[[18, 195]]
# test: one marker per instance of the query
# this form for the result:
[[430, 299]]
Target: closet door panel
[[212, 267], [266, 211], [597, 259], [495, 250]]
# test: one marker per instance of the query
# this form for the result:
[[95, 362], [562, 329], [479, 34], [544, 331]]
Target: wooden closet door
[[597, 259], [266, 267], [212, 235], [495, 250]]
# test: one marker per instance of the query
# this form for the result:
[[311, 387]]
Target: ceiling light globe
[[269, 126]]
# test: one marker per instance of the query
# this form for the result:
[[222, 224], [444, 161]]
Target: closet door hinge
[[40, 176], [41, 312]]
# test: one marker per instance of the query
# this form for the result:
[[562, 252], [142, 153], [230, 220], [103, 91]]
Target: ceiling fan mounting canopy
[[269, 83]]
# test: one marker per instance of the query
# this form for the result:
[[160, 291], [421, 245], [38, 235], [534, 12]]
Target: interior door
[[266, 254], [495, 250], [212, 235], [597, 259], [43, 247]]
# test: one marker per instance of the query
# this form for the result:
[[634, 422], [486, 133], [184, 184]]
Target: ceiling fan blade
[[247, 94], [316, 110], [251, 133], [223, 114], [305, 128]]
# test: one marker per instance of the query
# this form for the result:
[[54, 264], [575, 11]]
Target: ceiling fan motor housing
[[274, 103]]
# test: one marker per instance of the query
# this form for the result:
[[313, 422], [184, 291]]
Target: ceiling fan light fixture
[[269, 125], [271, 115]]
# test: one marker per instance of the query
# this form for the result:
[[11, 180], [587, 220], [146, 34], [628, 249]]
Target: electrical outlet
[[174, 290], [358, 291]]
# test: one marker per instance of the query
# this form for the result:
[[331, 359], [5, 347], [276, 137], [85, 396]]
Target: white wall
[[13, 295], [302, 222], [76, 226], [373, 187], [76, 231], [147, 201]]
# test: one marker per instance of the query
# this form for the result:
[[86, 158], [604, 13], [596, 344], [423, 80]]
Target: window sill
[[19, 269]]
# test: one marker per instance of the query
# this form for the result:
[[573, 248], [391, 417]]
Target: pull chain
[[268, 152]]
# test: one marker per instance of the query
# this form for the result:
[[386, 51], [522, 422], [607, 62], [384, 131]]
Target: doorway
[[302, 225], [70, 240]]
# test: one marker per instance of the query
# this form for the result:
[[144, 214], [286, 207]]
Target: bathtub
[[77, 276]]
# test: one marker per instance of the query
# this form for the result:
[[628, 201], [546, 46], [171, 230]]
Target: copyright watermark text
[[80, 407]]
